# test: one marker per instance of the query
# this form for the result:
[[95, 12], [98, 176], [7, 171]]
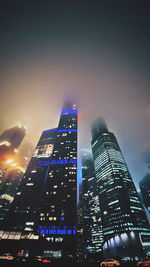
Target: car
[[46, 261], [6, 257], [110, 262], [145, 262]]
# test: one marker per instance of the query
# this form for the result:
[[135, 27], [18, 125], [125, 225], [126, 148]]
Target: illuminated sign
[[43, 151], [69, 111], [56, 230], [67, 130], [63, 161], [43, 163], [57, 162]]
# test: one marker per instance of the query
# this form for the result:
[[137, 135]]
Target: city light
[[6, 143], [9, 161], [14, 164]]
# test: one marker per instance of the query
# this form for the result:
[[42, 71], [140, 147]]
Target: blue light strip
[[67, 130], [49, 131], [69, 111], [63, 161], [43, 163], [57, 232], [57, 162], [53, 230]]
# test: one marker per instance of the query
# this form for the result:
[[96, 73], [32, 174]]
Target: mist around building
[[41, 220]]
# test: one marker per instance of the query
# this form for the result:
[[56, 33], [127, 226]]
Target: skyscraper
[[25, 208], [145, 190], [8, 190], [125, 226], [44, 209], [80, 239], [59, 203], [10, 140], [93, 235]]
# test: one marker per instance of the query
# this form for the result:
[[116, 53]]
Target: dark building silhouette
[[24, 154], [145, 191], [125, 226], [24, 211], [146, 158], [92, 227], [8, 190], [10, 140], [80, 237]]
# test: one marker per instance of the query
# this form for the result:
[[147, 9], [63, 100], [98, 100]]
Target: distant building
[[125, 226], [24, 154], [10, 140], [80, 237], [8, 190], [145, 190], [146, 158], [24, 213], [92, 227]]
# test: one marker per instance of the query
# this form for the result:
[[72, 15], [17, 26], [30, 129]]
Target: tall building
[[80, 237], [24, 154], [10, 140], [92, 227], [8, 191], [44, 209], [59, 203], [24, 211], [146, 158], [145, 190], [125, 226]]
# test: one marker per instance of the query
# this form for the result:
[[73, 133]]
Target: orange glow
[[9, 161], [14, 164]]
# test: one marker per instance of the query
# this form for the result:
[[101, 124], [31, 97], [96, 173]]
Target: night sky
[[97, 52]]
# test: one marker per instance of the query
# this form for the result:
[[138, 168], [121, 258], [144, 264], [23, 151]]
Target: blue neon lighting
[[62, 218], [49, 131], [53, 230], [69, 111], [43, 163], [63, 161], [67, 130]]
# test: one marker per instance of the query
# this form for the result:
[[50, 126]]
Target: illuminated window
[[29, 184]]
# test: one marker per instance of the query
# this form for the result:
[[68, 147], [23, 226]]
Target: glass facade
[[124, 222], [145, 190], [93, 235], [8, 191], [57, 222], [24, 211]]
